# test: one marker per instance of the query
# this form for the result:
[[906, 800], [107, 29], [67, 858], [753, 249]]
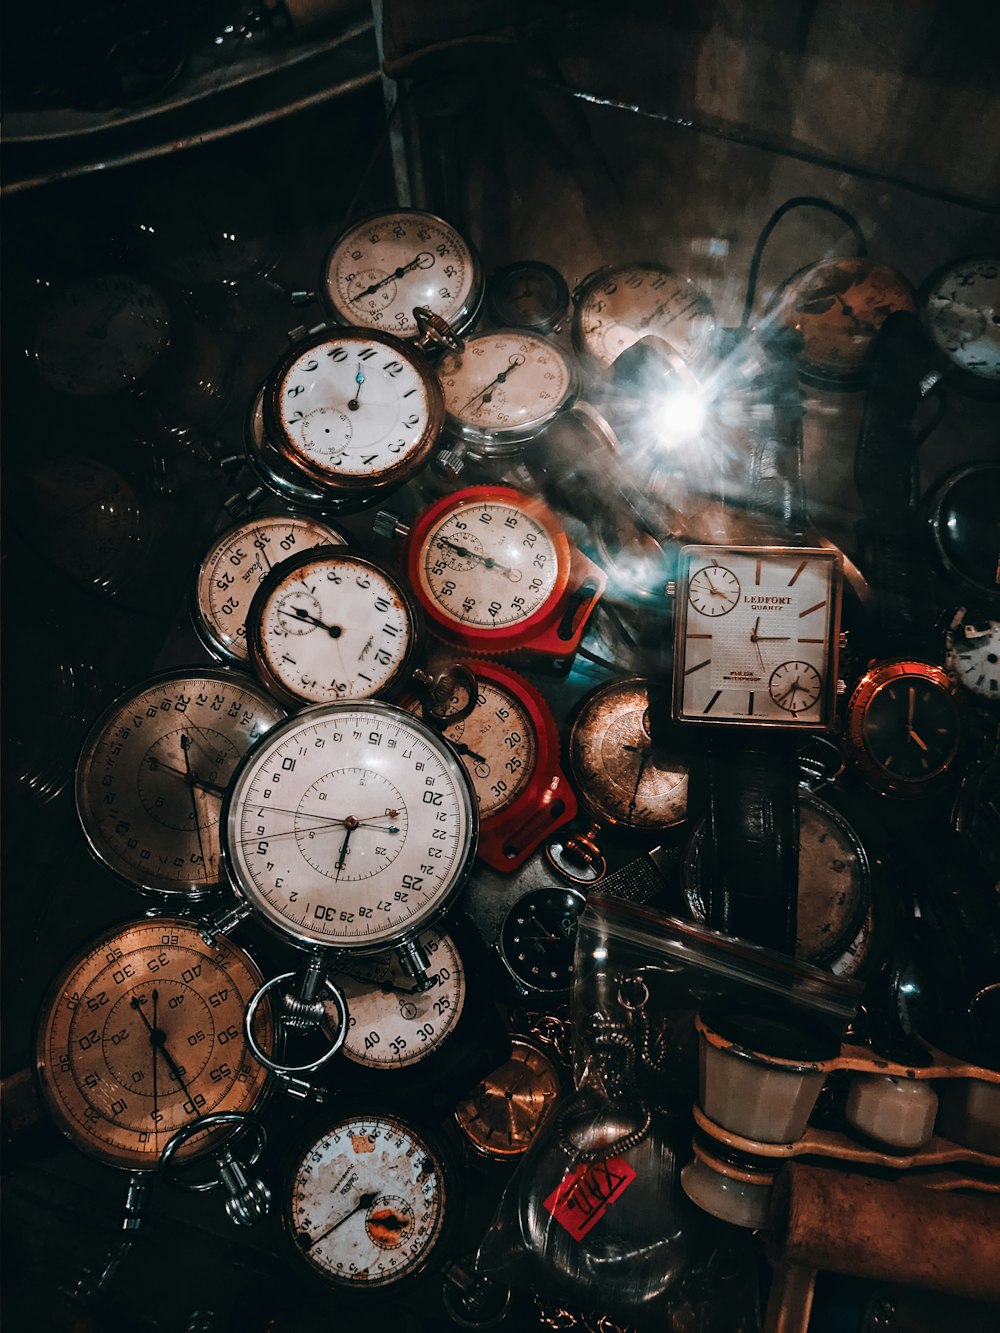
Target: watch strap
[[641, 881]]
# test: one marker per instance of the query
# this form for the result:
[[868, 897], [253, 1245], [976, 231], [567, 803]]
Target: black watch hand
[[189, 775], [484, 394], [487, 560], [300, 613], [194, 780], [158, 1040], [417, 262], [359, 379], [364, 1202], [462, 748]]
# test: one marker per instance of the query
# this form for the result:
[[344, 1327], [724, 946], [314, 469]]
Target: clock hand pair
[[359, 379], [484, 394], [514, 575], [423, 260], [158, 1041], [300, 613], [193, 781]]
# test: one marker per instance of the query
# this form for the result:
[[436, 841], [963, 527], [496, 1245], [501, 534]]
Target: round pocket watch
[[494, 572], [618, 305], [380, 268], [154, 769], [504, 1111], [351, 827], [903, 726], [372, 1200], [236, 564], [346, 416], [959, 306], [528, 295], [972, 654], [328, 624], [504, 387], [838, 306], [141, 1034], [509, 745]]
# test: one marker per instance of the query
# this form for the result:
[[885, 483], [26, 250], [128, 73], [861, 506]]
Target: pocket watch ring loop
[[435, 331], [296, 1013], [242, 1122], [821, 762], [450, 695]]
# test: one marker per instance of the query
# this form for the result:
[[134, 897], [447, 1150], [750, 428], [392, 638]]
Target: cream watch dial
[[962, 314], [333, 627], [498, 745], [233, 569], [756, 629], [392, 1025], [504, 385], [367, 1202], [618, 306]]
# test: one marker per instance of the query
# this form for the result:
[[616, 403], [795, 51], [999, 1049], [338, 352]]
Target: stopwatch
[[349, 413], [351, 826], [101, 334], [528, 295], [972, 653], [154, 768], [234, 567], [330, 623], [494, 571], [509, 745], [503, 388], [619, 304], [960, 309], [626, 776], [141, 1035], [372, 1200], [383, 266]]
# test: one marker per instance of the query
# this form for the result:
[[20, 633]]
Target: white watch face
[[335, 626], [236, 565], [620, 305], [384, 266], [367, 1202], [972, 654], [498, 745], [489, 564], [352, 826], [391, 1024], [504, 384], [756, 629], [101, 334], [354, 408], [962, 313]]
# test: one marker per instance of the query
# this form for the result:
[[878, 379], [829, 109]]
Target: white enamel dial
[[961, 312], [352, 826], [489, 564], [498, 744], [367, 1201], [385, 265], [617, 306], [329, 625], [392, 1025], [756, 635], [354, 406], [504, 385], [236, 565], [153, 772], [972, 654]]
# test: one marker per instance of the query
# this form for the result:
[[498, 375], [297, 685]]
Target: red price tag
[[583, 1196]]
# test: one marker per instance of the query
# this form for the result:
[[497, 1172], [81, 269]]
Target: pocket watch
[[236, 564], [972, 654], [903, 726], [494, 572], [959, 306], [756, 636], [505, 1110], [141, 1034], [154, 769], [625, 775], [372, 1200], [503, 388], [837, 306], [537, 940], [509, 745], [528, 295], [381, 267], [349, 414], [351, 827], [619, 304], [330, 623]]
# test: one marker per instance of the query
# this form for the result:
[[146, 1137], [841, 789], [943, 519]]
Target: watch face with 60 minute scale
[[154, 769]]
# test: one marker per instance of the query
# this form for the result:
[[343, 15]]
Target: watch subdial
[[182, 777], [714, 590], [297, 612], [795, 686], [460, 550], [324, 434], [371, 291], [390, 1222], [360, 843], [129, 1045], [972, 654]]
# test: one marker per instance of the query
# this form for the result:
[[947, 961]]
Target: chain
[[556, 1317]]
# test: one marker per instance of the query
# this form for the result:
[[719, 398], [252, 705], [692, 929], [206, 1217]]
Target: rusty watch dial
[[504, 1111]]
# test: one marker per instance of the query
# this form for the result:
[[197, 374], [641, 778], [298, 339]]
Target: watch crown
[[449, 463], [386, 523]]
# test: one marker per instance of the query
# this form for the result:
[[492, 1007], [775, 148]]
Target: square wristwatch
[[756, 635]]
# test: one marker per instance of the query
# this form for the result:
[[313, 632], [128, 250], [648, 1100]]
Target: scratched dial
[[392, 1025], [367, 1201], [330, 624], [154, 769], [504, 386], [619, 305]]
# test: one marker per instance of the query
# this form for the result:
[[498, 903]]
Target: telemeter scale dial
[[142, 1034]]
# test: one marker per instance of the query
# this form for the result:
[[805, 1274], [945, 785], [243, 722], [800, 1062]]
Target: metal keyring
[[207, 1122], [278, 1066]]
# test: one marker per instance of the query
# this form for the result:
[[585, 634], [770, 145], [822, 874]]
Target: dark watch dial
[[903, 724], [538, 937]]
